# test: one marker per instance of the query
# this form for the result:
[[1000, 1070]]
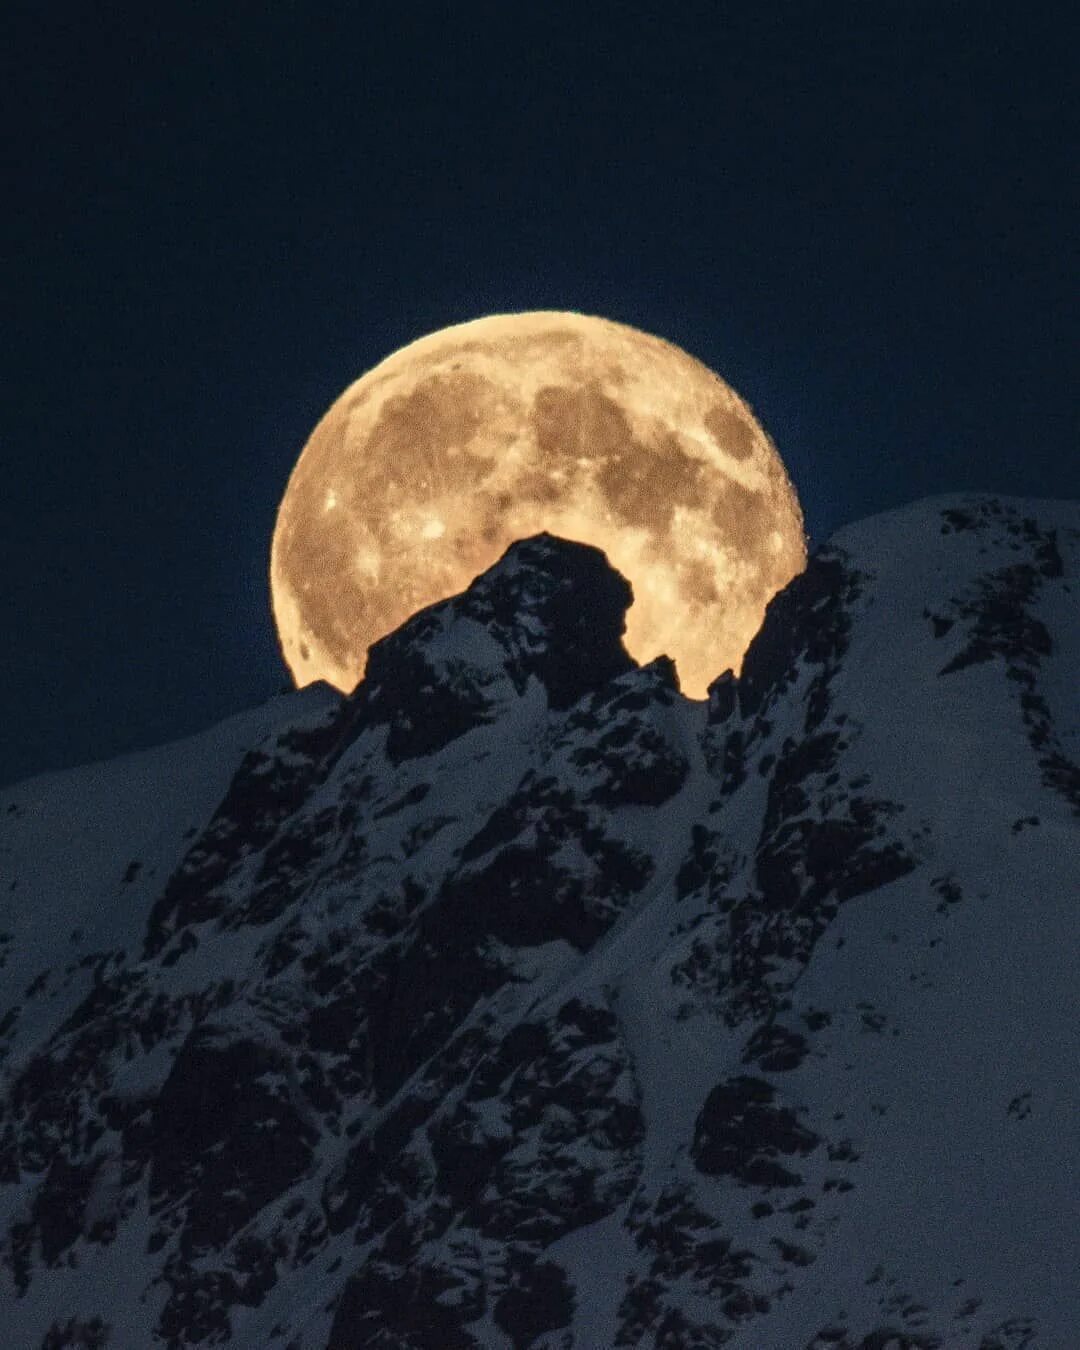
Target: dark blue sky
[[863, 216]]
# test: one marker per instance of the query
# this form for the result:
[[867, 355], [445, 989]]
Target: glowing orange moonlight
[[428, 467]]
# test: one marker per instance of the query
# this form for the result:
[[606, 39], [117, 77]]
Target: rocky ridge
[[517, 1000]]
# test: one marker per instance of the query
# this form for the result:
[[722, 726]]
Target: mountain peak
[[518, 1000], [549, 609]]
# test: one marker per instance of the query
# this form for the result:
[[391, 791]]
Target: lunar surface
[[429, 466]]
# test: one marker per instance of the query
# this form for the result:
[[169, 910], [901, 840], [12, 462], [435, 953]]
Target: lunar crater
[[429, 466]]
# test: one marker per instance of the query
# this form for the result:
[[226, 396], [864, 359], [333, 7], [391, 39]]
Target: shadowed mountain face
[[517, 1000]]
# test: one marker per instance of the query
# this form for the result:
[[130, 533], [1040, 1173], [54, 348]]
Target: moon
[[429, 466]]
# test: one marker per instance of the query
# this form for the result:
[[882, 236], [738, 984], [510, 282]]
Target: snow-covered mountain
[[517, 1000]]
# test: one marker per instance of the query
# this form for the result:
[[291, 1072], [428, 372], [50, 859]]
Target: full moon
[[428, 467]]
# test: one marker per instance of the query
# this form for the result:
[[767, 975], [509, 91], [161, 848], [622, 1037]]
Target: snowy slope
[[84, 852], [519, 1001]]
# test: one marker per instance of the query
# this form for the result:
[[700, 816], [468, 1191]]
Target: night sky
[[863, 216]]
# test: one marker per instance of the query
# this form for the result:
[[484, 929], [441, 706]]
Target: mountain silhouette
[[517, 1000]]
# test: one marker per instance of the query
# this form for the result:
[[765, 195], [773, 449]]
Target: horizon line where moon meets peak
[[431, 463]]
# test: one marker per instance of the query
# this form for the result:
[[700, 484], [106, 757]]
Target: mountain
[[517, 1000]]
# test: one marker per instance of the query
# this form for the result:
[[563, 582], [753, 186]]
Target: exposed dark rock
[[60, 1204], [265, 791], [77, 1334], [775, 1049], [723, 696], [539, 1300], [423, 995], [227, 1136], [409, 1303], [741, 1132], [808, 620], [554, 609]]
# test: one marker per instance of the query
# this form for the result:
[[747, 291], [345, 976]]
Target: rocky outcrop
[[518, 1000]]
